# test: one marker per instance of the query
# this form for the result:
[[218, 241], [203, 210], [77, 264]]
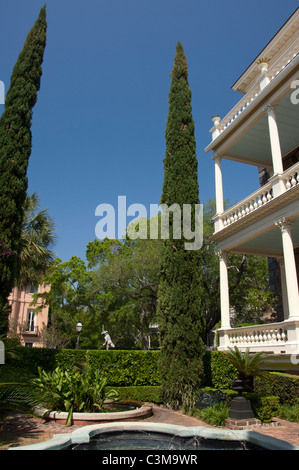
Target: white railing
[[259, 198], [259, 335], [255, 90], [275, 338], [291, 176]]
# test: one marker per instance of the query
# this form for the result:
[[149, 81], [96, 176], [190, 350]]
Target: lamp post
[[78, 328]]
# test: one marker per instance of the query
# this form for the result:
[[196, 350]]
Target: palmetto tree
[[37, 241], [247, 365]]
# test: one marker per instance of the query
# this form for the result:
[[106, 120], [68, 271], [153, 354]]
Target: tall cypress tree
[[180, 312], [15, 150]]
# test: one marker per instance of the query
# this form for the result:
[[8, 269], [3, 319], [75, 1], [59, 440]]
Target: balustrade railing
[[254, 91], [291, 176], [259, 335], [261, 197]]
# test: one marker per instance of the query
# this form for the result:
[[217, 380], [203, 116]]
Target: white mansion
[[263, 130]]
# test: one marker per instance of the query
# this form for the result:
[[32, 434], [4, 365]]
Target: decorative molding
[[284, 224], [270, 108], [217, 158], [222, 255]]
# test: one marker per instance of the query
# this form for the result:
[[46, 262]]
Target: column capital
[[222, 255], [284, 223], [217, 158], [270, 108]]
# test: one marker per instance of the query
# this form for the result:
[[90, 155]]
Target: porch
[[265, 223]]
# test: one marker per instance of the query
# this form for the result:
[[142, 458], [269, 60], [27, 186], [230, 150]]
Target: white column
[[218, 221], [274, 140], [224, 290], [218, 184], [290, 267]]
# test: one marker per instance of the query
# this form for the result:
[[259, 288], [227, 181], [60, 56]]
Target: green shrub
[[214, 415], [223, 372], [148, 394], [122, 368], [285, 386], [289, 412], [265, 408], [72, 390]]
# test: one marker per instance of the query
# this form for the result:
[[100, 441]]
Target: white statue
[[107, 338]]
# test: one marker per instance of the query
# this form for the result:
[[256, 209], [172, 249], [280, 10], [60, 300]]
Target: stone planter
[[143, 412]]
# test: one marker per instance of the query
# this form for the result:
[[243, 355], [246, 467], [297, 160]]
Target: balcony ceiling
[[269, 243], [254, 145]]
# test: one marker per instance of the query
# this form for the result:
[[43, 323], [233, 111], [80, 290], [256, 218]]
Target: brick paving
[[17, 429]]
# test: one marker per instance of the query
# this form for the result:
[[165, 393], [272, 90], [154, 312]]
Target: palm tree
[[37, 241], [247, 365]]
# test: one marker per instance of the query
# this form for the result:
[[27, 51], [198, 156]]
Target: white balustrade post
[[224, 291], [290, 267], [215, 131], [264, 80]]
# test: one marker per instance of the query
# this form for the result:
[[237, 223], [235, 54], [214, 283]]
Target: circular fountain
[[133, 436]]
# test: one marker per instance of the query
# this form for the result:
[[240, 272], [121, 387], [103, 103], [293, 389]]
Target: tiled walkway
[[17, 429]]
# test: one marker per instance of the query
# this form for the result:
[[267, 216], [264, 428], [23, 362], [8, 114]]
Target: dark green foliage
[[122, 368], [264, 408], [223, 372], [180, 311], [15, 150], [81, 390], [144, 393], [285, 386]]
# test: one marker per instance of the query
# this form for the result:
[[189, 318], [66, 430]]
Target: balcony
[[276, 187], [271, 338]]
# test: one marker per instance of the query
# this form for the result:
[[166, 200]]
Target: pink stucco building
[[23, 319]]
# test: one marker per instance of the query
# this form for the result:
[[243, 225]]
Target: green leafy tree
[[69, 301], [15, 150], [180, 309], [124, 287]]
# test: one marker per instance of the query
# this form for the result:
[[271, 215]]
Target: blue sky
[[99, 123]]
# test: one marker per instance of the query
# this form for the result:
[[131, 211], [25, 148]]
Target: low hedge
[[285, 386], [140, 368], [223, 373], [140, 393], [123, 368], [264, 408]]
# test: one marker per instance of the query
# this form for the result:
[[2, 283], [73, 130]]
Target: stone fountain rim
[[143, 412]]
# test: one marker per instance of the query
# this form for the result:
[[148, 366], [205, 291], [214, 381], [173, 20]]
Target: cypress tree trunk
[[15, 150], [180, 312]]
